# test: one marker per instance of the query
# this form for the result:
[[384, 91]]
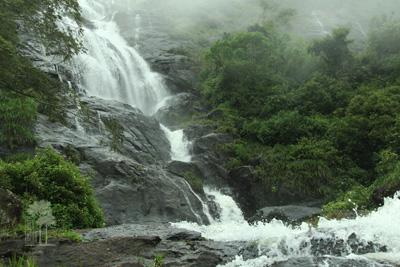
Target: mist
[[313, 19]]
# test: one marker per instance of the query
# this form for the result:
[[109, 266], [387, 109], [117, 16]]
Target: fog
[[313, 18]]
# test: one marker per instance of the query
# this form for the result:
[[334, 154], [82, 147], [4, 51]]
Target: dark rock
[[180, 168], [8, 248], [10, 208], [207, 259], [198, 130], [332, 245], [250, 194], [289, 214], [129, 180], [210, 142], [213, 115], [212, 167], [178, 109], [247, 190], [97, 253], [384, 191], [182, 235]]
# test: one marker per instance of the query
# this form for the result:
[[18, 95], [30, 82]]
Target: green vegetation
[[49, 176], [195, 183], [158, 259], [117, 132], [322, 120], [69, 234], [25, 89], [20, 261]]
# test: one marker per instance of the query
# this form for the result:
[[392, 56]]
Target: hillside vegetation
[[324, 120]]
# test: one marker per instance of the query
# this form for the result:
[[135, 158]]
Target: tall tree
[[334, 50], [24, 25]]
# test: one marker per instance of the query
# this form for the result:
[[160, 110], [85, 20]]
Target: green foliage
[[388, 170], [334, 50], [49, 176], [70, 234], [116, 130], [20, 261], [73, 154], [356, 198], [195, 183], [307, 167], [283, 128], [158, 259], [24, 89], [20, 157], [317, 119], [41, 18], [17, 116]]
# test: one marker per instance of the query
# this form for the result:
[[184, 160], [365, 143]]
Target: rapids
[[279, 243]]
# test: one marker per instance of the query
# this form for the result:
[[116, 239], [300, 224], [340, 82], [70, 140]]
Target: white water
[[111, 69], [179, 144], [277, 242], [318, 21]]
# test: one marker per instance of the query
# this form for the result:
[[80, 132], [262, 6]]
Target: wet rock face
[[139, 245], [341, 247], [179, 109], [382, 192], [288, 214], [250, 194], [10, 209], [127, 152], [150, 35]]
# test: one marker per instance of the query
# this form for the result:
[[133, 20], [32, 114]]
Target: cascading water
[[278, 242], [179, 144], [318, 21], [111, 69]]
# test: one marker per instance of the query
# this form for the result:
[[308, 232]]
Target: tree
[[41, 19], [334, 50], [27, 22], [49, 176], [41, 211]]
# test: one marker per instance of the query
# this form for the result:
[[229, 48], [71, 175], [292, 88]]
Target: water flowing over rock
[[129, 181]]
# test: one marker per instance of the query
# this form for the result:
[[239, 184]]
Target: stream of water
[[112, 69], [278, 242]]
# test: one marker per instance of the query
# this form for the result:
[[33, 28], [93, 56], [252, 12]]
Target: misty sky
[[314, 17]]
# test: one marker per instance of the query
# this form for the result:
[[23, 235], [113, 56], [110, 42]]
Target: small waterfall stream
[[179, 144], [318, 21]]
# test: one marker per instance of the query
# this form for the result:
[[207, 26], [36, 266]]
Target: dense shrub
[[49, 176]]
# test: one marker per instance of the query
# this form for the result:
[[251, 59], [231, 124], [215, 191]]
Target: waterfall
[[279, 242], [179, 144], [321, 26], [113, 70]]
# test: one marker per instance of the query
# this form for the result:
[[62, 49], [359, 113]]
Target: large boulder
[[383, 191], [178, 109], [250, 194], [288, 214], [10, 208]]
